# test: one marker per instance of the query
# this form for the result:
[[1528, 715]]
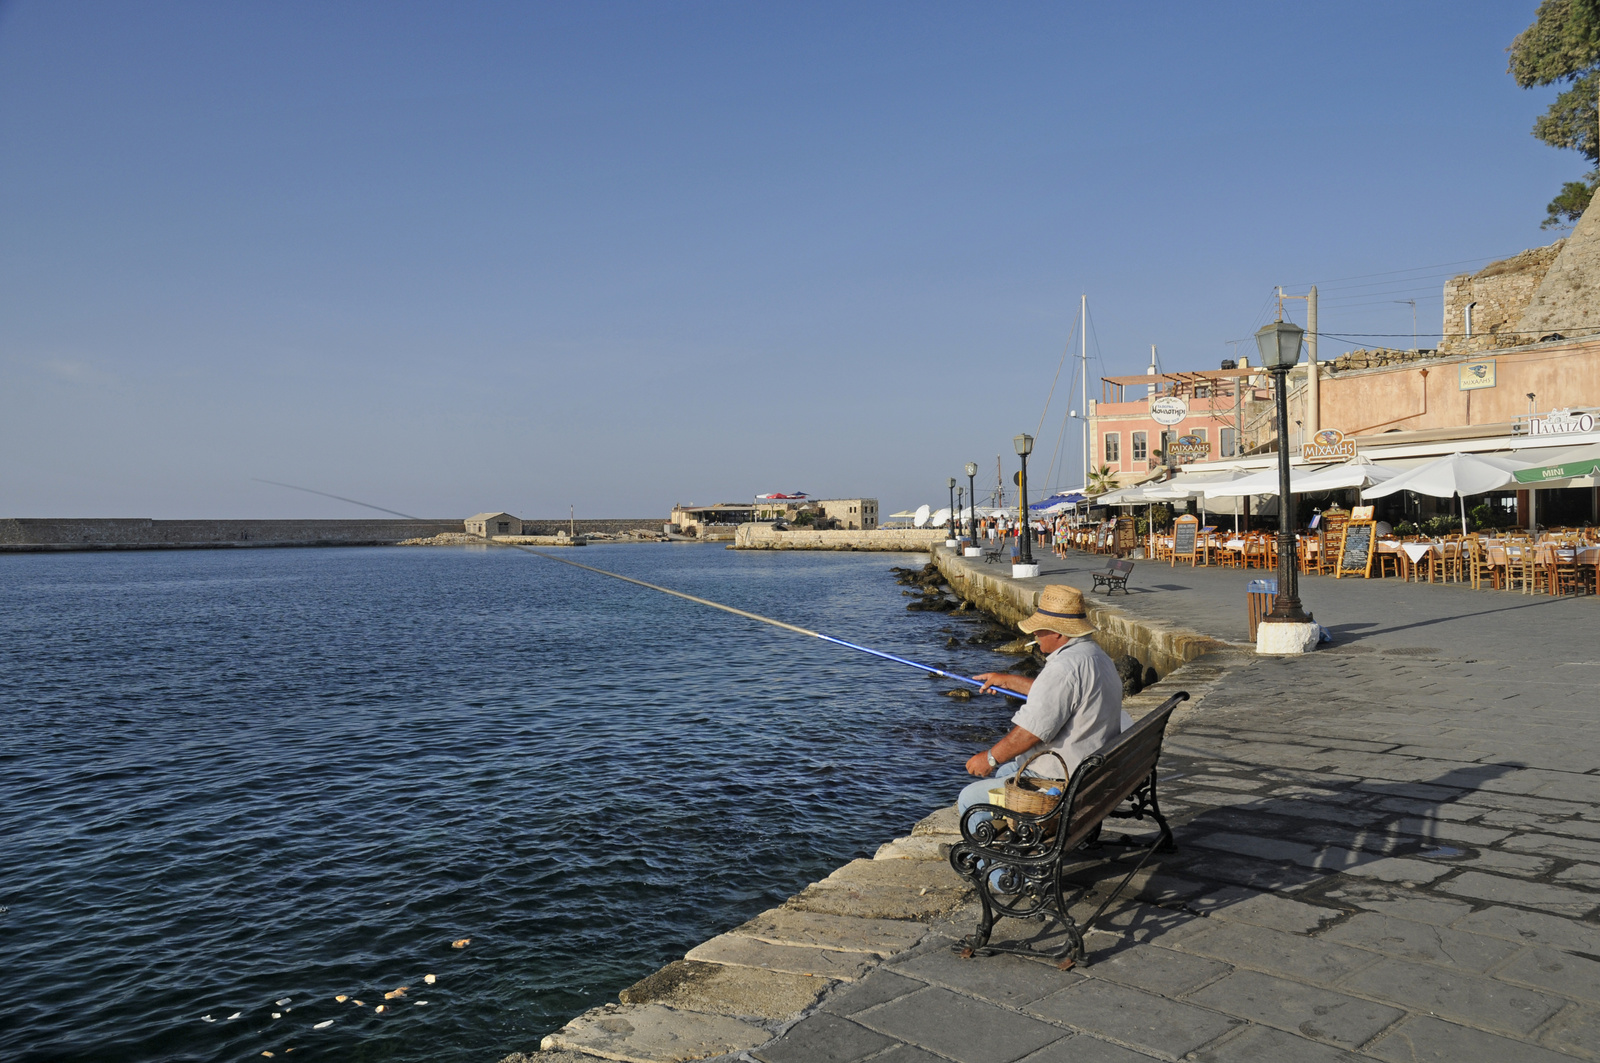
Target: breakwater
[[44, 534], [765, 537]]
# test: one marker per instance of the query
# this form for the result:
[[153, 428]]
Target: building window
[[1467, 318], [1141, 450], [1113, 448], [1202, 391], [1228, 437]]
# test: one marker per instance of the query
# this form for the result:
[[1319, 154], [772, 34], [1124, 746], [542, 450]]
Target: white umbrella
[[1453, 474], [1359, 472], [921, 519], [940, 516]]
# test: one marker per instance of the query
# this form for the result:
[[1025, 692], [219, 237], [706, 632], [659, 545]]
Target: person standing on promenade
[[1074, 706]]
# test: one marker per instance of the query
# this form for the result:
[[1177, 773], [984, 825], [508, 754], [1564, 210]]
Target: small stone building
[[853, 514], [489, 525]]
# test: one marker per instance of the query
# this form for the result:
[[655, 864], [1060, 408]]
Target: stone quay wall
[[588, 527], [41, 534], [1160, 646], [764, 537]]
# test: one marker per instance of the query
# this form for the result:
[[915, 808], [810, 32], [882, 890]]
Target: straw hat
[[1060, 609]]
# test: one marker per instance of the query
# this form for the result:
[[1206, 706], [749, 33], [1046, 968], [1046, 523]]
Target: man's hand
[[1017, 684], [979, 765]]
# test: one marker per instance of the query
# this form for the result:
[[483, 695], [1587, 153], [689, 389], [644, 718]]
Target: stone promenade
[[1388, 849]]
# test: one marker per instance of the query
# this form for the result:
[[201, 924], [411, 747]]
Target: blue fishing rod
[[940, 672]]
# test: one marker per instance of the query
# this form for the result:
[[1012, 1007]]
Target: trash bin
[[1259, 594]]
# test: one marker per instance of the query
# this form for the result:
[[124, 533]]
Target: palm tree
[[1101, 480]]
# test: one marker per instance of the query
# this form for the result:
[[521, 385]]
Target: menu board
[[1332, 530], [1184, 533], [1355, 550], [1127, 534]]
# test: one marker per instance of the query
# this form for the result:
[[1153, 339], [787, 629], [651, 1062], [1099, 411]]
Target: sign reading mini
[[1168, 409], [1475, 375], [1561, 423], [1189, 447], [1328, 445]]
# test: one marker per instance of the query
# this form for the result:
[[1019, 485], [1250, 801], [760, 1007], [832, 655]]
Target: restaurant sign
[[1328, 445], [1188, 447], [1561, 423], [1168, 409], [1475, 375]]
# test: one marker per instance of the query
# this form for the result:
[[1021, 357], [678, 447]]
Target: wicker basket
[[1026, 793]]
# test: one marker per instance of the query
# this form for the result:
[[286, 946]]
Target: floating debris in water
[[428, 978], [341, 998], [463, 943], [420, 1003], [391, 994], [380, 1009], [360, 1003], [285, 1001], [267, 1054], [235, 1015], [277, 1015], [207, 1018], [324, 1024]]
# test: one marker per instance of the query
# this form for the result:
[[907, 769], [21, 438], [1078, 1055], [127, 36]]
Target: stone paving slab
[[952, 1024], [742, 992], [1132, 1017], [738, 950], [1424, 1039], [651, 1033], [1309, 1011], [880, 937]]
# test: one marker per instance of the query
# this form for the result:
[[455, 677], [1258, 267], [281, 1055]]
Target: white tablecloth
[[1417, 551]]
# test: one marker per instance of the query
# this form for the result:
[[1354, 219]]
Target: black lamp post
[[1024, 445], [1279, 344], [972, 500], [952, 507]]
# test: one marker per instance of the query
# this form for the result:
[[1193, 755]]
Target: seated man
[[1074, 707]]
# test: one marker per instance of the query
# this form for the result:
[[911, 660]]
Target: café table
[[1415, 553]]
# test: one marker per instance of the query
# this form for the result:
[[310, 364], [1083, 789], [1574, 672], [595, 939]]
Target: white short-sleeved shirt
[[1075, 706]]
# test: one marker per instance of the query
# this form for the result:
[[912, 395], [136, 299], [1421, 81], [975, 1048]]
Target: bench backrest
[[1122, 567], [1105, 778]]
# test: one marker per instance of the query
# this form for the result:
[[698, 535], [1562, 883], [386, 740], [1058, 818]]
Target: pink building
[[1205, 412]]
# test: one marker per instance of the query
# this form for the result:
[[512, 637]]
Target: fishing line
[[940, 672]]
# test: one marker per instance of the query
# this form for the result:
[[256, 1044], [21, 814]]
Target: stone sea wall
[[763, 537], [1160, 646], [34, 534]]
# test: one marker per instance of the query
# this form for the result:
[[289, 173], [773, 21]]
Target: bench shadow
[[1297, 845]]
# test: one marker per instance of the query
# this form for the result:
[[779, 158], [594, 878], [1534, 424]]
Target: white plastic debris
[[235, 1015], [324, 1024], [284, 1001], [428, 978]]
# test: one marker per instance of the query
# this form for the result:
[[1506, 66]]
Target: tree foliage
[[1563, 47], [1101, 480]]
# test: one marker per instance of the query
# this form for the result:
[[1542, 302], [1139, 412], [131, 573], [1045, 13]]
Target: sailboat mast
[[1083, 340]]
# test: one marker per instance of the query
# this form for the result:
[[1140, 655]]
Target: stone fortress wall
[[1498, 294], [42, 534]]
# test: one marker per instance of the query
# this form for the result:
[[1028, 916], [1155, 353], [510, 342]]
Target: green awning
[[1585, 466]]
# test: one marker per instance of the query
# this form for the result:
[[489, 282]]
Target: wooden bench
[[991, 550], [1015, 859], [1115, 575]]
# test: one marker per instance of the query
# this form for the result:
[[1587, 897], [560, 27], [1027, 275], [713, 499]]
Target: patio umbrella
[[1585, 462], [1359, 472], [1453, 474]]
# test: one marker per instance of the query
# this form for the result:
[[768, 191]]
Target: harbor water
[[236, 785]]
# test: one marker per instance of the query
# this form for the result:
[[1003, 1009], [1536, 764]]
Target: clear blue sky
[[456, 257]]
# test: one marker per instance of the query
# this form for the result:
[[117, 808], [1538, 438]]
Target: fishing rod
[[940, 672]]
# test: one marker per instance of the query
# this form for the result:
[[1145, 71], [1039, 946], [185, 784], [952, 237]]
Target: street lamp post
[[952, 509], [1279, 344], [972, 500], [1024, 445]]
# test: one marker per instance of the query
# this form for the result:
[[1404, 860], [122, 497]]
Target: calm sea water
[[231, 778]]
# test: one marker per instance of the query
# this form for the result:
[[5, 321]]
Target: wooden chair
[[1390, 563], [1519, 566], [1497, 564]]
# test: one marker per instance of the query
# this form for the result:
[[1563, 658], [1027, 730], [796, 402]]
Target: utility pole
[[1413, 303]]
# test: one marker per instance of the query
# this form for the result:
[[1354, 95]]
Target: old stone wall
[[586, 527], [1568, 299], [763, 537], [1499, 293]]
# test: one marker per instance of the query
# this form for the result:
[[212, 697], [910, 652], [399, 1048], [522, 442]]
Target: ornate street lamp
[[952, 509], [1024, 445], [972, 500], [1279, 344]]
